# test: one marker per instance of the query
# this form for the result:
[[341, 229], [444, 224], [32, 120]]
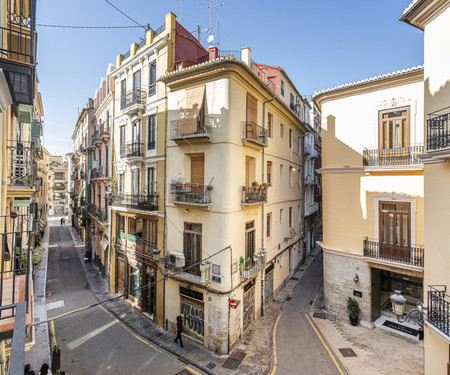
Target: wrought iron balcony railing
[[438, 130], [20, 160], [191, 128], [104, 132], [252, 195], [132, 97], [439, 308], [254, 133], [132, 150], [194, 194], [99, 172], [159, 30], [409, 255], [252, 266], [145, 202], [376, 157]]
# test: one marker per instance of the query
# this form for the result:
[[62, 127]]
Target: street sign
[[233, 304]]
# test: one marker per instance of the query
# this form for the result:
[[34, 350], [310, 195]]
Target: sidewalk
[[256, 343], [378, 352]]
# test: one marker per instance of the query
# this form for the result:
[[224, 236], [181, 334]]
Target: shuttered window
[[192, 246], [252, 108], [192, 113], [198, 169]]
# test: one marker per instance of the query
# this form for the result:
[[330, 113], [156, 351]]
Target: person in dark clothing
[[28, 370], [62, 221], [180, 328], [44, 369]]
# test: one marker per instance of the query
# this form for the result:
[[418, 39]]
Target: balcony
[[135, 242], [190, 194], [439, 309], [192, 128], [99, 172], [391, 157], [142, 202], [133, 101], [312, 208], [104, 133], [17, 51], [20, 160], [253, 195], [309, 180], [254, 133], [438, 130], [96, 141], [252, 266], [193, 272], [402, 255], [132, 150], [59, 186]]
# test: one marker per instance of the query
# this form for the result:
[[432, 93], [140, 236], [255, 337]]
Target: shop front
[[192, 312], [249, 304]]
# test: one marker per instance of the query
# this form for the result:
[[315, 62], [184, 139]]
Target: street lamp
[[415, 315], [156, 254]]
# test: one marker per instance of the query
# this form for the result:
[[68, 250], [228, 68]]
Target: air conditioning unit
[[176, 259]]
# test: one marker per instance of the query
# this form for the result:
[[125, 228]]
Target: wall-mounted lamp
[[356, 278], [187, 210]]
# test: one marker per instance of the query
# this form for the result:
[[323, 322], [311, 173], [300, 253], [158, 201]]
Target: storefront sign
[[357, 293], [401, 328], [191, 293], [216, 279], [233, 304]]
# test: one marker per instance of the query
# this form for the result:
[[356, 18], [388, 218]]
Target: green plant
[[353, 307], [255, 183], [265, 184], [55, 348]]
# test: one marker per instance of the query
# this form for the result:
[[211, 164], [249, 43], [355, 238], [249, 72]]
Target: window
[[192, 246], [270, 124], [291, 176], [120, 224], [137, 84], [292, 103], [395, 223], [268, 224], [152, 75], [249, 242], [269, 172], [151, 181], [281, 216], [290, 138], [122, 134], [281, 131], [123, 92], [394, 128], [150, 234], [282, 88], [136, 131], [151, 143], [290, 217], [134, 181], [121, 183]]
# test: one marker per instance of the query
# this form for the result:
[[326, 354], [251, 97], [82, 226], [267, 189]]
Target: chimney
[[245, 55], [213, 53]]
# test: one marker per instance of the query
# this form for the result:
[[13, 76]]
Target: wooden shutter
[[252, 108], [198, 169], [189, 116], [247, 172]]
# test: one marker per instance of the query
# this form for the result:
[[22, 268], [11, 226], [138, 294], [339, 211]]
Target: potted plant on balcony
[[266, 185], [353, 310], [187, 185], [255, 185]]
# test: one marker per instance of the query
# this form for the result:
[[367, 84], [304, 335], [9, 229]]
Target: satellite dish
[[210, 39]]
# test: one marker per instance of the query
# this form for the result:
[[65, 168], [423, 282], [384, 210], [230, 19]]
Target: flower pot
[[187, 185], [178, 184], [353, 320], [256, 187], [56, 361]]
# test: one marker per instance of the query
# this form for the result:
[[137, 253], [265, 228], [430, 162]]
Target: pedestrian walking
[[28, 370], [44, 369], [62, 221], [179, 328]]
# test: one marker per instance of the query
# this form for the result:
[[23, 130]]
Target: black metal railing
[[126, 55], [411, 255], [20, 160], [145, 202], [141, 43], [99, 172], [132, 150], [438, 131], [59, 186], [379, 157], [195, 194], [151, 145], [132, 97], [192, 128], [159, 30], [237, 54], [439, 308], [254, 133], [253, 195], [104, 131]]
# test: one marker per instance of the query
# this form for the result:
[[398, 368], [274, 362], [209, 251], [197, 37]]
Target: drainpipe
[[262, 206]]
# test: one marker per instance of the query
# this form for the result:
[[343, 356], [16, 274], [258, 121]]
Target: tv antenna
[[210, 6]]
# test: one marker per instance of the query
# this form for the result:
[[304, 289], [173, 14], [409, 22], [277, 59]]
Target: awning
[[187, 124], [104, 243], [42, 224]]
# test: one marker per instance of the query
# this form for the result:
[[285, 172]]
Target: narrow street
[[300, 350], [93, 341]]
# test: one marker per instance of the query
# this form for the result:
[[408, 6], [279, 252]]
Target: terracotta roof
[[269, 66], [369, 80]]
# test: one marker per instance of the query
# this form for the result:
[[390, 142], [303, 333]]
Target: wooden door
[[247, 171], [120, 276], [198, 169]]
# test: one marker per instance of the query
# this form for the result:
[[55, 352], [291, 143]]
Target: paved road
[[93, 341], [299, 349]]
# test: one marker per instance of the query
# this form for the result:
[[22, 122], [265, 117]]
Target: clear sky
[[318, 43]]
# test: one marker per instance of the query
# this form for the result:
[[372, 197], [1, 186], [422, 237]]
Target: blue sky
[[319, 44]]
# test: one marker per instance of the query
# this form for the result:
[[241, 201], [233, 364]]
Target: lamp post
[[415, 315]]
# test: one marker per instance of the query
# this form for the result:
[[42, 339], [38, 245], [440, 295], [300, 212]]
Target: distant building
[[57, 186]]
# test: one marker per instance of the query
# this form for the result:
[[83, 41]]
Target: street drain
[[288, 298], [211, 365], [319, 315], [159, 334], [234, 360], [295, 278], [347, 352]]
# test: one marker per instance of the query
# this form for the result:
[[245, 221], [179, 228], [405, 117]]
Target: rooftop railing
[[201, 127], [159, 30], [409, 255], [376, 157]]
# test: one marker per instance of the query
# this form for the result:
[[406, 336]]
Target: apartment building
[[138, 162], [57, 186], [20, 149], [100, 172], [233, 193], [433, 18], [80, 194], [373, 198], [42, 195]]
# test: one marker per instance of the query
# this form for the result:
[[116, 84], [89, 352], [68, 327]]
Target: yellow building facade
[[373, 193], [433, 17]]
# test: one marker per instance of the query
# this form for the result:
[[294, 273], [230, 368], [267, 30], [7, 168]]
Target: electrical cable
[[126, 15], [87, 27]]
